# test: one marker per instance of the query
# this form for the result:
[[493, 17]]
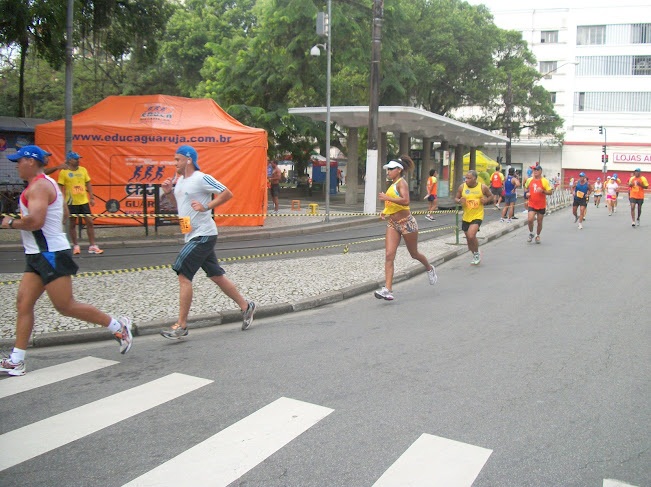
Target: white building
[[609, 87]]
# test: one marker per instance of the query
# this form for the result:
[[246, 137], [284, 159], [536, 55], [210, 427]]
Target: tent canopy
[[126, 141]]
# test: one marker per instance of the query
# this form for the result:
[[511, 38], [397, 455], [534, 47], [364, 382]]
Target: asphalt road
[[538, 359]]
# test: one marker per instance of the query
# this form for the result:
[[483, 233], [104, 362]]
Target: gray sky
[[497, 5]]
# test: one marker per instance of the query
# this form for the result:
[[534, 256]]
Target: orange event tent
[[128, 141]]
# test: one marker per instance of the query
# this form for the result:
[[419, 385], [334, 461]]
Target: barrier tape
[[176, 216], [236, 258]]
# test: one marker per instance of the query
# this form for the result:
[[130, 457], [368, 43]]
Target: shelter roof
[[414, 121], [19, 124]]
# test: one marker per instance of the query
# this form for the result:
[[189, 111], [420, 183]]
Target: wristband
[[11, 223]]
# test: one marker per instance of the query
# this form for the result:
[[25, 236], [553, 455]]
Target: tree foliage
[[252, 57]]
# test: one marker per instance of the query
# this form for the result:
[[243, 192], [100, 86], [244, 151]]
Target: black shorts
[[540, 211], [275, 190], [79, 209], [633, 201], [466, 225], [580, 202], [198, 253], [497, 191], [431, 197], [51, 265]]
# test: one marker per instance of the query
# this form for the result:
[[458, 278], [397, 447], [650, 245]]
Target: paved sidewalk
[[151, 297]]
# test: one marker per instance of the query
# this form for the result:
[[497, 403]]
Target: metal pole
[[509, 128], [370, 187], [329, 49], [68, 92]]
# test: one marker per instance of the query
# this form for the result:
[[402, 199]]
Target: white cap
[[393, 165]]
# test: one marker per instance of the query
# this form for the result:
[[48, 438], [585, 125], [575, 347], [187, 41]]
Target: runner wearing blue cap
[[582, 190], [49, 264], [193, 195]]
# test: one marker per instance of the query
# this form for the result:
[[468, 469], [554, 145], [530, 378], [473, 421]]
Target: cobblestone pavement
[[151, 297]]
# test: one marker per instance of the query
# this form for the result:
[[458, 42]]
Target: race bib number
[[78, 190], [580, 194], [184, 223], [472, 204]]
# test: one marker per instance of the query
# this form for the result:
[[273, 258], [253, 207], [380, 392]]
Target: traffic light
[[604, 157], [601, 129], [603, 149]]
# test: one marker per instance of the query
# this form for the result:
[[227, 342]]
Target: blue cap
[[33, 151], [188, 151], [582, 174], [615, 175], [638, 170], [73, 155]]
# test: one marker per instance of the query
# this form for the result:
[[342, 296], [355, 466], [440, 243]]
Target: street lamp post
[[315, 51]]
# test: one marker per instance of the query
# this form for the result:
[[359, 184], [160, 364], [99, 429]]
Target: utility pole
[[68, 90], [509, 121], [370, 188]]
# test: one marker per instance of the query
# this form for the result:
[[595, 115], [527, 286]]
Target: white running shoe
[[476, 259], [12, 368], [124, 336], [433, 278], [384, 293]]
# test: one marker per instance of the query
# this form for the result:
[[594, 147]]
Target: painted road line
[[50, 375], [616, 483], [55, 431], [226, 456], [432, 460]]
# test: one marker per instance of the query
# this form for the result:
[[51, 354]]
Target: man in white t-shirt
[[193, 195]]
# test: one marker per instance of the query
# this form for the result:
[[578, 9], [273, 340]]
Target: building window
[[613, 101], [642, 65], [641, 34], [590, 35], [547, 67], [552, 97], [549, 37]]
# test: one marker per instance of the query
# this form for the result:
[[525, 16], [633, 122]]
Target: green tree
[[40, 24]]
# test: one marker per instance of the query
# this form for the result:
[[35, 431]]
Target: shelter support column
[[473, 159], [458, 167], [381, 173], [427, 165], [445, 147], [352, 169]]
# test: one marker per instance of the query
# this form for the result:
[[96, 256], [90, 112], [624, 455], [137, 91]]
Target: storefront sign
[[632, 157]]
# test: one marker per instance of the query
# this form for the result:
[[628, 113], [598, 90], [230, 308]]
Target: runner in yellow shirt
[[473, 195]]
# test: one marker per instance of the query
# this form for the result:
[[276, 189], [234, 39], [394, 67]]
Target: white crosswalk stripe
[[229, 454], [239, 448], [50, 375], [432, 460], [55, 431]]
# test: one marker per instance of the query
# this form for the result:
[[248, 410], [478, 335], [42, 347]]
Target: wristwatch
[[11, 223]]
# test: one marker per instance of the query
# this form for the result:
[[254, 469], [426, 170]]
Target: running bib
[[78, 190], [184, 223], [580, 194], [472, 204]]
